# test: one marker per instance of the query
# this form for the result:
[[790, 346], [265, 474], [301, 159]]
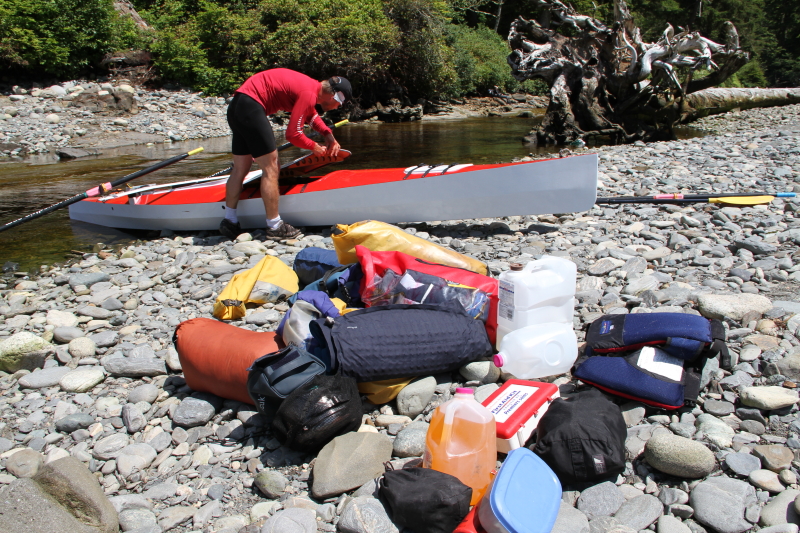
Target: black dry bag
[[425, 500], [318, 411]]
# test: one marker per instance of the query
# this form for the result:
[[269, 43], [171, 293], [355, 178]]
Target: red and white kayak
[[414, 194]]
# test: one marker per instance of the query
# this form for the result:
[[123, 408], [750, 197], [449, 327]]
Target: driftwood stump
[[607, 81]]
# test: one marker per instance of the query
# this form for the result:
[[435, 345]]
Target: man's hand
[[332, 145], [319, 149]]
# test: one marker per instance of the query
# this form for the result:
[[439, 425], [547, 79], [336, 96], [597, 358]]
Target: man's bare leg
[[233, 188], [269, 183]]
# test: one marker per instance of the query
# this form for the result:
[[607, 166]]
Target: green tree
[[59, 37]]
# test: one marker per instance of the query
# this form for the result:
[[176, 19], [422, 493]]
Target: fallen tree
[[719, 100], [605, 80]]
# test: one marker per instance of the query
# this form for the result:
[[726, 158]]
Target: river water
[[32, 184]]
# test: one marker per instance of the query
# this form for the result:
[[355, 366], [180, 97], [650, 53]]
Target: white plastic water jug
[[543, 291], [538, 351]]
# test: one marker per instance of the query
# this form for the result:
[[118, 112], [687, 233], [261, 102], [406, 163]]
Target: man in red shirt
[[264, 94]]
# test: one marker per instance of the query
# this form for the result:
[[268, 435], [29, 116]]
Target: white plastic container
[[541, 292], [538, 351]]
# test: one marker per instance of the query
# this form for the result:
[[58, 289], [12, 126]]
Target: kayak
[[414, 194]]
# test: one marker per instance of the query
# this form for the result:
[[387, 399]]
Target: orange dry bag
[[215, 356]]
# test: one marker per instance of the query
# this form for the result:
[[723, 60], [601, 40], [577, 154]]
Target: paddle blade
[[742, 200]]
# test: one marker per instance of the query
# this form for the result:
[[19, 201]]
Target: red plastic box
[[517, 408]]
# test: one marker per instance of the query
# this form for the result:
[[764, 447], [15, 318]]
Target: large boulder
[[68, 481], [22, 350], [349, 461]]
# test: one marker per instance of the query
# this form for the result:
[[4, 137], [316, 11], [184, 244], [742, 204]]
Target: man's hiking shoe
[[283, 231], [230, 229]]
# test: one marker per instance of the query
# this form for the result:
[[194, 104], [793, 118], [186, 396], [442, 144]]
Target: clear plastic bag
[[417, 287]]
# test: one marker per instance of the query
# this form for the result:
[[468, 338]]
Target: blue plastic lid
[[526, 494]]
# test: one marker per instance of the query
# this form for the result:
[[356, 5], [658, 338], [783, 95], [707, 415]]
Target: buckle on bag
[[231, 303]]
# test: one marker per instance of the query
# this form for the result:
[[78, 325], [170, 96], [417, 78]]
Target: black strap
[[448, 167], [412, 169], [431, 168], [231, 303], [691, 387]]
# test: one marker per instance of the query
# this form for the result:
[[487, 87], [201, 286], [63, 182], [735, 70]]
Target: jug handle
[[447, 430]]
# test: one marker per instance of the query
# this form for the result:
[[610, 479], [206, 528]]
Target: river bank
[[81, 118], [112, 395]]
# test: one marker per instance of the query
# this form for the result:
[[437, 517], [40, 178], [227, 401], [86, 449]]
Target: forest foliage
[[408, 49]]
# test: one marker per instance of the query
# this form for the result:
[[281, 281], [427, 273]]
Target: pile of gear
[[386, 307]]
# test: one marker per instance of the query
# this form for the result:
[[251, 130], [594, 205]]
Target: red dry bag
[[377, 263]]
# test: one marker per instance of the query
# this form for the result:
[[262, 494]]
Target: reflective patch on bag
[[660, 363]]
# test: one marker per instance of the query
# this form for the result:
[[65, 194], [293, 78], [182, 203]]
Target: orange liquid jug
[[461, 441]]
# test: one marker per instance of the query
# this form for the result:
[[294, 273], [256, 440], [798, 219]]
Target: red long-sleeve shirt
[[281, 89]]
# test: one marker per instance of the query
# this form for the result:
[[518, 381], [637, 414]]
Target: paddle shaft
[[684, 198], [100, 189]]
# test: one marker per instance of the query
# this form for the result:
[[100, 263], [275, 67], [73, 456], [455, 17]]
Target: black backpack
[[425, 500], [582, 438], [317, 411]]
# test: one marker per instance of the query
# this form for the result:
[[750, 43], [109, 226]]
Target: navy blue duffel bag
[[402, 340]]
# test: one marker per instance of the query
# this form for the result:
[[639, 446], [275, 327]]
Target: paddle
[[731, 199], [100, 189]]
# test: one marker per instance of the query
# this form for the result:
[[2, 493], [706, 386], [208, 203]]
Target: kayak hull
[[563, 185]]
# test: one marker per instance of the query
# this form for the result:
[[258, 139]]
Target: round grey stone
[[193, 412], [752, 426], [365, 515], [216, 491], [271, 483], [415, 396], [144, 393], [65, 334], [603, 499], [24, 463], [134, 519], [74, 422], [410, 441], [105, 339], [133, 418], [82, 347], [765, 480], [742, 463], [720, 503], [679, 456], [718, 408], [294, 520], [483, 371]]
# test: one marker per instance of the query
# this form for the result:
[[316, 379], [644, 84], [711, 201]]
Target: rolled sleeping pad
[[215, 356]]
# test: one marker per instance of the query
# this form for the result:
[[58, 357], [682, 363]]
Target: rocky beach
[[98, 427]]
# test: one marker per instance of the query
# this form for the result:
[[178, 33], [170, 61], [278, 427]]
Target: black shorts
[[252, 132]]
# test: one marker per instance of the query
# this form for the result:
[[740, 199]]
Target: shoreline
[[81, 118]]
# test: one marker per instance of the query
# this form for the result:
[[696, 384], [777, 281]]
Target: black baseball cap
[[342, 91]]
